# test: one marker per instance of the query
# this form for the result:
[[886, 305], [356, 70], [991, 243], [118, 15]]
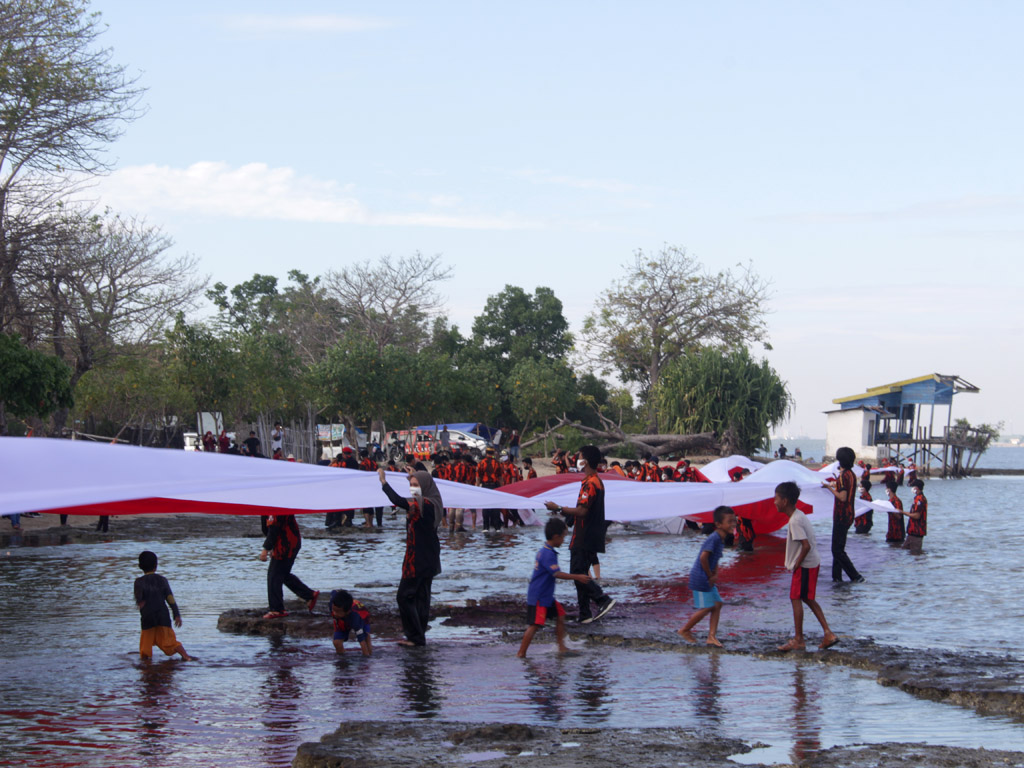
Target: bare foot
[[687, 635], [793, 645], [712, 640], [407, 643], [828, 641], [563, 649]]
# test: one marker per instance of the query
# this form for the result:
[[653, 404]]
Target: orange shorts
[[162, 637]]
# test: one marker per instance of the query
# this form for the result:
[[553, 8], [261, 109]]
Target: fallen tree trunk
[[612, 437]]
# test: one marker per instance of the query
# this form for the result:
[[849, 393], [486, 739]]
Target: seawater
[[75, 693]]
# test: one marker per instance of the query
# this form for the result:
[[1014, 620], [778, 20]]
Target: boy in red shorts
[[152, 596], [803, 560], [540, 597]]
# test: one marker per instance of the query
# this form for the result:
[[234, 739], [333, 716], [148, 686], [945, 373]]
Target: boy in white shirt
[[803, 561]]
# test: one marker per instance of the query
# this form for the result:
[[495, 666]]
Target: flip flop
[[275, 614], [825, 646], [312, 601], [792, 645]]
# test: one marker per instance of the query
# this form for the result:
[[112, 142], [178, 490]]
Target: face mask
[[416, 491]]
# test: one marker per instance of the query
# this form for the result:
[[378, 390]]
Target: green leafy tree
[[725, 392], [513, 328], [540, 389], [32, 384], [664, 307]]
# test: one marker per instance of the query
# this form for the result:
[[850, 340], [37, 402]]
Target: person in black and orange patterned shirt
[[560, 463], [369, 465], [490, 474], [530, 471], [896, 532], [282, 544], [587, 535], [843, 488], [422, 561], [917, 525]]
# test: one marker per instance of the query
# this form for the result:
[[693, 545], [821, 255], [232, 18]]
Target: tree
[[515, 326], [32, 384], [62, 101], [390, 302], [108, 288], [729, 393], [666, 306], [540, 389]]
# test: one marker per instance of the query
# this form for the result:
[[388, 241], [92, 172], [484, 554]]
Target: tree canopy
[[729, 393], [666, 306]]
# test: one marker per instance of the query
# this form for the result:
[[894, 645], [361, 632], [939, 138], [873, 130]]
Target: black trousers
[[492, 517], [414, 607], [279, 575], [579, 562], [840, 560]]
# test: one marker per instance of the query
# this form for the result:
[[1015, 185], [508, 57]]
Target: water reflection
[[156, 697], [807, 715], [419, 685], [545, 680], [591, 689], [708, 690]]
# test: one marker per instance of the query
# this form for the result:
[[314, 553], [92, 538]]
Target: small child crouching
[[350, 616], [704, 575], [540, 596], [152, 596]]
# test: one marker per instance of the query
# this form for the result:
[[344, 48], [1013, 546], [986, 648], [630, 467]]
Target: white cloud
[[270, 24], [257, 191], [538, 176]]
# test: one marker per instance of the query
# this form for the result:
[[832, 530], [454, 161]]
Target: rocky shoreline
[[432, 744]]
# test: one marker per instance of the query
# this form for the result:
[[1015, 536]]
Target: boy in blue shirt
[[704, 575], [540, 597], [350, 616]]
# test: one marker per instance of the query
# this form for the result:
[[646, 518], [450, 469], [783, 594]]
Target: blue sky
[[864, 157]]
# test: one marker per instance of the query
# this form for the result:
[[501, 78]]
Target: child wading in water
[[803, 560], [350, 616], [540, 596], [704, 575], [152, 596]]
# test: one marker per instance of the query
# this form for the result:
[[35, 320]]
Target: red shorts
[[538, 614], [804, 582]]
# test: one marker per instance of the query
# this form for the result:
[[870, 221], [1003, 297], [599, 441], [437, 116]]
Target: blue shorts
[[343, 634], [707, 599]]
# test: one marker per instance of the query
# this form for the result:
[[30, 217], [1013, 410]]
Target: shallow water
[[74, 691]]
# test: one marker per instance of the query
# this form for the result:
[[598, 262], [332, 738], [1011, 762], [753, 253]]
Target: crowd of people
[[425, 513]]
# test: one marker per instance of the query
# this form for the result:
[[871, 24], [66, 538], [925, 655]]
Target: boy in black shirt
[[152, 596]]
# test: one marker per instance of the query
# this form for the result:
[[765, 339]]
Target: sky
[[863, 157]]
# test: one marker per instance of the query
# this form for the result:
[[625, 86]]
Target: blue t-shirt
[[542, 582], [698, 579]]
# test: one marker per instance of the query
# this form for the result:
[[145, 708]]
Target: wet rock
[[428, 743], [492, 733]]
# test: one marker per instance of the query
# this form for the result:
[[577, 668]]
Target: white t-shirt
[[276, 439], [799, 530]]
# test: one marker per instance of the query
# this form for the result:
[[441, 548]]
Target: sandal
[[312, 601], [275, 614]]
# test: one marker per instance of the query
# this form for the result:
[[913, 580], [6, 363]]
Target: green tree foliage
[[539, 389], [516, 326], [32, 384], [726, 392], [513, 329], [666, 305], [133, 390]]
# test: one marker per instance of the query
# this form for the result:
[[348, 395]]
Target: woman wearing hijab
[[422, 552]]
